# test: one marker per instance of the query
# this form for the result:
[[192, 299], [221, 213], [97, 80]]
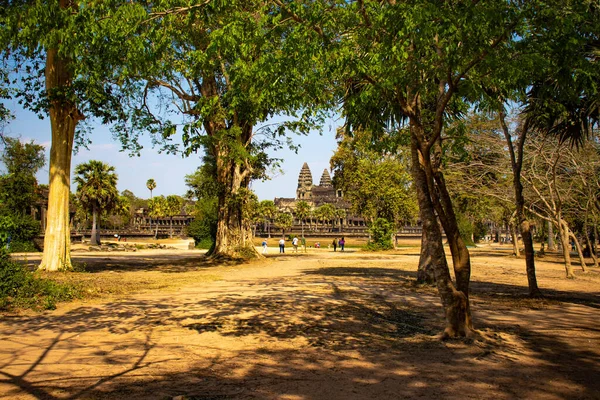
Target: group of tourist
[[336, 243], [295, 242]]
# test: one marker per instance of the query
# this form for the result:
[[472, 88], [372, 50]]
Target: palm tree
[[173, 207], [151, 185], [157, 207], [268, 211], [327, 212], [302, 211], [96, 191], [284, 221]]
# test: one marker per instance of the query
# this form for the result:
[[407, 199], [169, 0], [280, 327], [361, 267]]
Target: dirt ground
[[315, 325]]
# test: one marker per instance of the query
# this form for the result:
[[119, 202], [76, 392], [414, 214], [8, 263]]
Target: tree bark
[[551, 244], [234, 231], [425, 270], [563, 232], [95, 239], [425, 273], [579, 251], [64, 117], [454, 300], [515, 239]]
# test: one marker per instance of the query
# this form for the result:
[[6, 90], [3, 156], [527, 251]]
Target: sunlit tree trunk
[[64, 117], [234, 231]]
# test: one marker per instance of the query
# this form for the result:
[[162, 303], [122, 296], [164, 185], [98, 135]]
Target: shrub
[[21, 288], [20, 230], [22, 247], [381, 235], [203, 232]]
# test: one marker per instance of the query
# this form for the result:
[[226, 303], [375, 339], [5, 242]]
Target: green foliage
[[20, 288], [203, 232], [381, 231], [374, 177], [21, 230], [18, 187], [480, 230], [284, 221], [173, 205], [157, 207], [151, 185], [96, 186], [466, 228], [203, 187]]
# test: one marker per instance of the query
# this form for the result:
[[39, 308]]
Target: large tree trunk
[[95, 239], [454, 300], [234, 230], [64, 117], [516, 159]]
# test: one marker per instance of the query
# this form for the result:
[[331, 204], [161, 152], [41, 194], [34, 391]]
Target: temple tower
[[305, 183], [325, 179]]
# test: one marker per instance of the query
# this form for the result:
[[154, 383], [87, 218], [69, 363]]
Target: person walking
[[334, 243], [264, 245], [295, 244], [342, 243], [282, 245]]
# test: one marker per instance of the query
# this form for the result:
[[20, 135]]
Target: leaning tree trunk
[[579, 251], [64, 117], [461, 259], [563, 232], [454, 300]]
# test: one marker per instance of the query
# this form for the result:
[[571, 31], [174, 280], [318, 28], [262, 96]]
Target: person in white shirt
[[282, 245]]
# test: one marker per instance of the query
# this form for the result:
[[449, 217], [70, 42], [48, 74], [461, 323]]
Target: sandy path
[[316, 326]]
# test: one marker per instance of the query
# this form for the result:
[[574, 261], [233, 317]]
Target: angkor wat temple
[[314, 195], [317, 195]]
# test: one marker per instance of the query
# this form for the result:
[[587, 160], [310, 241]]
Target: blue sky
[[169, 170]]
